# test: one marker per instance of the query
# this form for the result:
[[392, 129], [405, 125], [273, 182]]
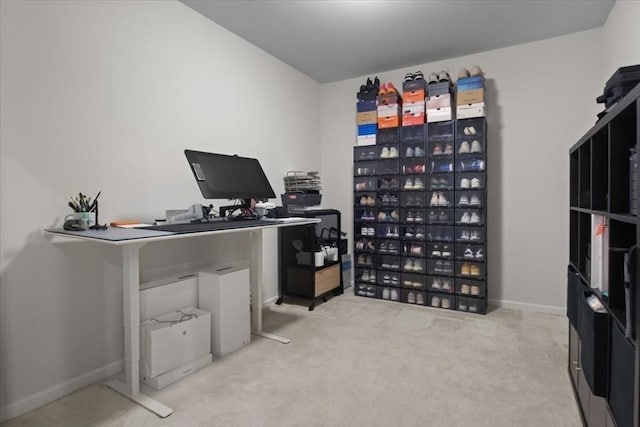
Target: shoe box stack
[[470, 215], [470, 93], [413, 99], [440, 97], [389, 107], [367, 115], [420, 215]]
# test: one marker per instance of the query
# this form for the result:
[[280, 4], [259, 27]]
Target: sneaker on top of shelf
[[417, 265], [409, 152], [436, 284], [443, 76], [465, 183], [435, 200], [418, 184], [442, 200], [475, 183], [474, 200], [464, 148], [476, 71], [464, 235], [433, 78], [468, 253], [463, 200], [463, 73], [479, 254], [384, 153], [408, 184], [474, 219], [465, 219], [393, 153]]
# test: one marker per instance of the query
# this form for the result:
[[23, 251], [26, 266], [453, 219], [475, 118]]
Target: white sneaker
[[384, 153], [411, 298], [436, 284], [475, 290], [445, 303], [434, 200], [418, 184], [365, 276], [475, 147], [472, 130], [446, 252], [463, 73], [475, 200], [394, 295], [435, 301], [372, 231], [446, 286], [466, 130], [468, 253], [464, 148], [442, 200], [409, 152], [408, 265], [433, 78], [464, 200], [465, 183], [393, 153], [479, 254], [419, 152], [386, 279], [465, 219], [420, 298], [475, 235], [408, 184], [417, 265], [465, 235], [474, 219], [372, 276], [475, 71], [385, 293], [475, 183], [464, 289]]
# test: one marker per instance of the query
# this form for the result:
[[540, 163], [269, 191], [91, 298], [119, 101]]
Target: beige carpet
[[361, 362]]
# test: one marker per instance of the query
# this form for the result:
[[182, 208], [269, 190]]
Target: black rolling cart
[[310, 258]]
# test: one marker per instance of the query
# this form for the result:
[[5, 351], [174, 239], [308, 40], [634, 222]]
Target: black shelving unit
[[305, 279], [416, 240], [603, 353]]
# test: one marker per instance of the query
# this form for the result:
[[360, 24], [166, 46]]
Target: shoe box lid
[[471, 110], [470, 97], [413, 96], [439, 114], [412, 85], [366, 96], [439, 88], [369, 129], [392, 98], [363, 106], [367, 117]]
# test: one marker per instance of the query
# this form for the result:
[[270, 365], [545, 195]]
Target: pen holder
[[89, 218]]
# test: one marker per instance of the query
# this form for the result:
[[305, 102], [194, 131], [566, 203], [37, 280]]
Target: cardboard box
[[366, 140], [471, 111], [470, 97], [369, 129], [439, 101], [470, 83], [363, 106], [413, 96], [392, 98], [412, 85], [389, 110], [413, 108], [439, 88], [367, 117], [388, 122], [413, 119], [439, 114]]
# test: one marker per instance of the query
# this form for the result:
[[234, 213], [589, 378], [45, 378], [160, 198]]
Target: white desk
[[131, 240]]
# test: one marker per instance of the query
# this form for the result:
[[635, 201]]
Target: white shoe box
[[224, 290], [366, 140], [439, 114], [413, 108], [439, 101], [173, 340], [470, 111], [388, 110]]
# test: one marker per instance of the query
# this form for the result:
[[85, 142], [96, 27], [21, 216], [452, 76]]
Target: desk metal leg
[[256, 289], [131, 308]]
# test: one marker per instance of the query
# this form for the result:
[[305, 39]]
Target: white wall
[[541, 99], [106, 96], [621, 37]]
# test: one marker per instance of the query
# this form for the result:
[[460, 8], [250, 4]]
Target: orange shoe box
[[412, 119], [388, 122], [413, 96]]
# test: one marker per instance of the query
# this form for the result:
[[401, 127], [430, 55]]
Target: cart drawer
[[327, 279]]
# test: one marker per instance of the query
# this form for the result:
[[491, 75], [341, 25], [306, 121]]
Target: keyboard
[[215, 225]]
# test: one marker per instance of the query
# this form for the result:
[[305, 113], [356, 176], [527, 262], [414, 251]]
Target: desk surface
[[127, 236]]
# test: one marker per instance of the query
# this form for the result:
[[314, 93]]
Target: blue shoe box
[[441, 88], [364, 106], [470, 83], [369, 129]]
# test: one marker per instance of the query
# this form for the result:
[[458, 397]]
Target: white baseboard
[[515, 305], [269, 301], [59, 390]]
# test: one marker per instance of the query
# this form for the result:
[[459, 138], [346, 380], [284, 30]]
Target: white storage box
[[470, 111], [366, 140], [304, 258], [439, 115], [173, 340]]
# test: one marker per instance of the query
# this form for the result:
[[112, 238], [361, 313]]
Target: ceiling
[[336, 40]]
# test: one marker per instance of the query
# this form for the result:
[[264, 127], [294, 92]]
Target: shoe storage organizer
[[420, 197]]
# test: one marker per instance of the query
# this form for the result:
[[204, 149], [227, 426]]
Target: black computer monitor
[[221, 176]]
